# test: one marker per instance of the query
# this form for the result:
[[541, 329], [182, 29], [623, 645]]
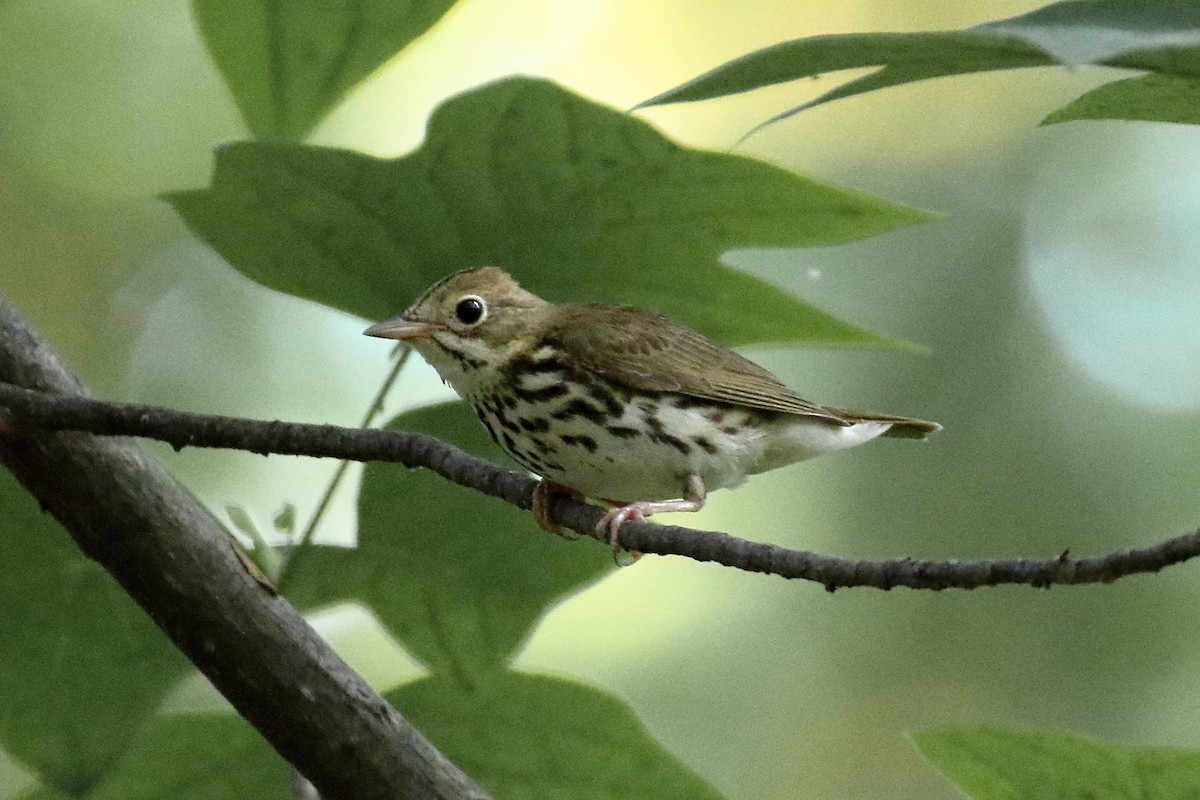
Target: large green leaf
[[459, 578], [579, 201], [991, 764], [43, 793], [82, 667], [1159, 35], [287, 64], [199, 757], [526, 737]]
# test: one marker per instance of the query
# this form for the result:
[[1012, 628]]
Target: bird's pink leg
[[693, 500]]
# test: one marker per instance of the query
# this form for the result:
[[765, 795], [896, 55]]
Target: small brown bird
[[617, 403]]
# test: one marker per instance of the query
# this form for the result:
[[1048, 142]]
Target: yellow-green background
[[1057, 299]]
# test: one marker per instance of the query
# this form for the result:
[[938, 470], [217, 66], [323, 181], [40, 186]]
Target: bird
[[615, 402]]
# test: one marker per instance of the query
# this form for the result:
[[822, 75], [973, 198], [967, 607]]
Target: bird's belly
[[626, 450], [794, 438], [628, 469]]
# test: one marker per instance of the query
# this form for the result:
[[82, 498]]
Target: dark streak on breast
[[580, 408], [586, 442]]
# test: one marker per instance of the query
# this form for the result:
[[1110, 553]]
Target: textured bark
[[175, 560]]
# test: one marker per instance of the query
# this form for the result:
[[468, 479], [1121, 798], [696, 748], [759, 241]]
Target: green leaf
[[526, 737], [909, 57], [265, 557], [81, 665], [992, 764], [1151, 98], [578, 201], [199, 757], [288, 64], [285, 519], [241, 519], [1078, 32], [1162, 36], [43, 793], [458, 578]]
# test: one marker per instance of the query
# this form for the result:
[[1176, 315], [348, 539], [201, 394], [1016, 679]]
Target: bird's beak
[[401, 328]]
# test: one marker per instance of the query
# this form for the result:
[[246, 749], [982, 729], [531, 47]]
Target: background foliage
[[1056, 300]]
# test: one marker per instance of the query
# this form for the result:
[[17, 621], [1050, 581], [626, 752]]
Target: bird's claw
[[544, 495], [612, 521]]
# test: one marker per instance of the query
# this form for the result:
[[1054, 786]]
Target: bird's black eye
[[470, 310]]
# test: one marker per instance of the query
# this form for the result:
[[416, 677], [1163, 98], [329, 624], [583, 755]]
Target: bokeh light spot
[[1112, 249]]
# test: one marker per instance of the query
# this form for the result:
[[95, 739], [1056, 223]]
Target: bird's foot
[[611, 522], [544, 495]]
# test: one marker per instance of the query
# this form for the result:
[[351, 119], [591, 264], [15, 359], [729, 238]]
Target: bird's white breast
[[611, 444]]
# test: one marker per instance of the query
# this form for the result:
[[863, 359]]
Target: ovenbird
[[615, 402]]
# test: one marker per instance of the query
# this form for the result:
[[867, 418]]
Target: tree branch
[[176, 561], [182, 429]]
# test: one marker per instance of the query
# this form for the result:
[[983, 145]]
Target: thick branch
[[181, 429], [175, 560]]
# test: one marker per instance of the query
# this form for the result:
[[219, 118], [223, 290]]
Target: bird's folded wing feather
[[650, 352]]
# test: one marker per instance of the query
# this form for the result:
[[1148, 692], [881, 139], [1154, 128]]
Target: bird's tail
[[902, 427]]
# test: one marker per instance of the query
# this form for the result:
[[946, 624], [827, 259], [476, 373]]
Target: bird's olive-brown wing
[[648, 351]]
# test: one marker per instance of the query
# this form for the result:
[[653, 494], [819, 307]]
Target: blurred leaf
[[285, 519], [81, 665], [907, 57], [267, 558], [199, 757], [525, 737], [579, 201], [240, 518], [458, 578], [43, 793], [1078, 32], [1161, 35], [288, 64], [1151, 98], [992, 764]]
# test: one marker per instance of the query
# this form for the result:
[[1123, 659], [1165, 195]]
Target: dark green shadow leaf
[[288, 64], [525, 737], [577, 200], [992, 764], [1151, 98], [44, 793], [458, 578], [199, 757], [1158, 36], [82, 667]]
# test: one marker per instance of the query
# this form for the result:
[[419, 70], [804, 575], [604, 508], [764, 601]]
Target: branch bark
[[182, 429], [176, 561]]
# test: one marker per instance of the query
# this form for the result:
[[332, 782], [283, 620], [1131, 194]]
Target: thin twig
[[182, 429]]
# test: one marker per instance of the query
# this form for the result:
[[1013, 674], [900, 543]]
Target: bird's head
[[475, 319]]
